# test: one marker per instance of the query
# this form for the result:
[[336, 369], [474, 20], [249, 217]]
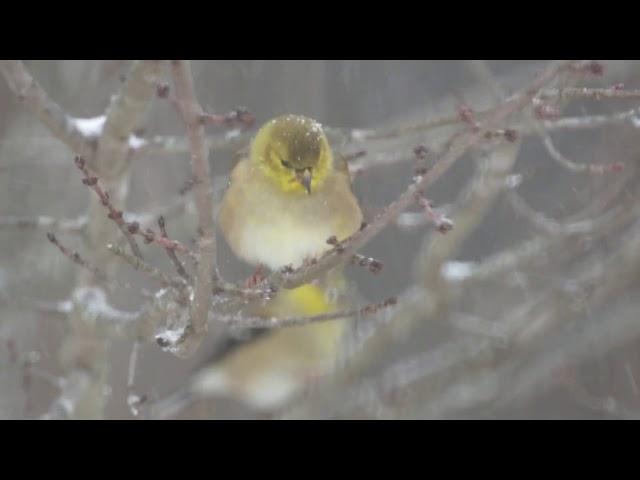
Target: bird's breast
[[283, 239], [264, 225]]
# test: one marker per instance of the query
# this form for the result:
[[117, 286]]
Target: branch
[[458, 146], [571, 165], [86, 347], [240, 321], [130, 228], [76, 258], [531, 250], [124, 114], [138, 264], [29, 92], [592, 121], [615, 91], [418, 304], [206, 269], [550, 226], [172, 145], [78, 225], [171, 252], [74, 225], [114, 214]]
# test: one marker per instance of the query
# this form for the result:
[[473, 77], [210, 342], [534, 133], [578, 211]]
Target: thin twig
[[593, 121], [572, 166], [129, 228], [239, 116], [616, 91], [74, 225], [442, 223], [76, 258], [548, 225], [114, 214], [171, 253], [140, 265], [373, 265], [274, 322], [172, 145]]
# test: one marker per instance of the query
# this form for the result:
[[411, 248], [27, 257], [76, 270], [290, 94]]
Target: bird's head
[[293, 151]]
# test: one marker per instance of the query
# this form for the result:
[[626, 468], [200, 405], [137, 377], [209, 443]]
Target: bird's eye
[[285, 164]]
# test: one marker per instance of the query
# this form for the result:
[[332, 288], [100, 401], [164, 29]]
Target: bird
[[287, 196]]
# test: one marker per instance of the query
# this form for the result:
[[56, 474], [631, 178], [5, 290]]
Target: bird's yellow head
[[293, 152]]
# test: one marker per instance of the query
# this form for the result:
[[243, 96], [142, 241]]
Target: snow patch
[[90, 127], [231, 134], [457, 271], [136, 142]]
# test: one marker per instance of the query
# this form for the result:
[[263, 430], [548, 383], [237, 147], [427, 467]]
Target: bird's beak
[[305, 178]]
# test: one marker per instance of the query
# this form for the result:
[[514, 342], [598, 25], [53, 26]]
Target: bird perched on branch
[[288, 197], [284, 201]]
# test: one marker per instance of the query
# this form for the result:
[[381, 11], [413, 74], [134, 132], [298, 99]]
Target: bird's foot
[[257, 277]]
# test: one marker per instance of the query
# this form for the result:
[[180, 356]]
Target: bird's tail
[[268, 371]]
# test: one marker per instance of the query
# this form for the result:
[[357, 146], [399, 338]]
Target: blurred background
[[575, 351]]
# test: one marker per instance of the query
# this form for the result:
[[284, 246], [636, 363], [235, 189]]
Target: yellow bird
[[284, 201], [288, 197]]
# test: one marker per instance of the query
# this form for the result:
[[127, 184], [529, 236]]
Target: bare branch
[[86, 348], [240, 116], [531, 250], [124, 114], [134, 401], [76, 258], [550, 226], [171, 252], [274, 322], [459, 145], [75, 225], [29, 92], [593, 121], [171, 145], [138, 264], [573, 166], [114, 214], [593, 93], [373, 265], [206, 269]]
